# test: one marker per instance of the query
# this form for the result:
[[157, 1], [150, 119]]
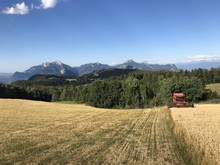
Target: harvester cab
[[179, 100]]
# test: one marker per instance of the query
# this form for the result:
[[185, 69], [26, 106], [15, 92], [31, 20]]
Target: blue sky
[[107, 31]]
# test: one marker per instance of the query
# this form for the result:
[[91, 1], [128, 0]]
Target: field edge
[[191, 152]]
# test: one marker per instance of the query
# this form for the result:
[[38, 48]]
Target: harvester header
[[179, 100]]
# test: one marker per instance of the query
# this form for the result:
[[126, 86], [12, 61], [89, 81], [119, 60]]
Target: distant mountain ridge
[[53, 68], [60, 69], [130, 64], [89, 68], [145, 66]]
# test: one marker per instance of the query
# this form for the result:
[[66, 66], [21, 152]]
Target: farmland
[[37, 132], [214, 87], [200, 129], [34, 132]]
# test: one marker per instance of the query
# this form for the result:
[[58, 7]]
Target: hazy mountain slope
[[196, 65], [89, 68], [54, 68], [145, 66], [5, 77]]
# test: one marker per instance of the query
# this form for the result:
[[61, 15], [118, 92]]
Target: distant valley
[[200, 64], [5, 77]]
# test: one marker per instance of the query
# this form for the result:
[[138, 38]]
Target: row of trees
[[34, 93], [138, 89], [140, 93], [207, 76]]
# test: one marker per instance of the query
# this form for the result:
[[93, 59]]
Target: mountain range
[[61, 69], [53, 68]]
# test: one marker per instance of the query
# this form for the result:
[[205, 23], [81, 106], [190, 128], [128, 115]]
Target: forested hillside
[[106, 89]]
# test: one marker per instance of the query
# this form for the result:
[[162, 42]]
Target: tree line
[[136, 90], [140, 92], [31, 93]]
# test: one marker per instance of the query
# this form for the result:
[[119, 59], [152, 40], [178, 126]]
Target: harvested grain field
[[200, 127], [49, 133]]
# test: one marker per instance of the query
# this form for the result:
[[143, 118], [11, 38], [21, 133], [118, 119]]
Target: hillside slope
[[46, 133]]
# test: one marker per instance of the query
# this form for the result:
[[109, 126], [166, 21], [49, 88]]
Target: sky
[[77, 32]]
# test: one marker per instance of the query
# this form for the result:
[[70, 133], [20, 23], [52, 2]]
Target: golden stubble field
[[50, 133], [34, 132], [201, 128]]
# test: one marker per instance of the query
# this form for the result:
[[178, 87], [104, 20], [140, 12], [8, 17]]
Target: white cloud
[[201, 58], [19, 8], [45, 4], [22, 8]]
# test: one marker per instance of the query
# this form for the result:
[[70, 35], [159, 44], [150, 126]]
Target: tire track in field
[[104, 140], [128, 141], [117, 135], [136, 145], [149, 141], [85, 147], [133, 142]]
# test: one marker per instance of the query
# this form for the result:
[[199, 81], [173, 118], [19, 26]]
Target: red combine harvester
[[180, 101]]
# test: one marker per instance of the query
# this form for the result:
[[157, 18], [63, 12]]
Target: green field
[[214, 87], [33, 132]]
